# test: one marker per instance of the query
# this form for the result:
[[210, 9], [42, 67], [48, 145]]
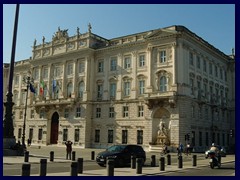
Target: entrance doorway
[[54, 128]]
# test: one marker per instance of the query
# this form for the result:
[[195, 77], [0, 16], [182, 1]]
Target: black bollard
[[194, 160], [26, 169], [51, 155], [110, 167], [74, 168], [180, 163], [168, 159], [92, 155], [43, 167], [26, 156], [162, 164], [73, 156], [153, 162], [80, 165], [133, 162], [139, 165]]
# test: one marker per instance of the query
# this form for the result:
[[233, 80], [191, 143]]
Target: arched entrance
[[54, 128]]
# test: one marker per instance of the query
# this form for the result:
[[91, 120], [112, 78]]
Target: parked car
[[222, 152], [121, 154]]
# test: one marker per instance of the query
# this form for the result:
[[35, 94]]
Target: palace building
[[98, 92]]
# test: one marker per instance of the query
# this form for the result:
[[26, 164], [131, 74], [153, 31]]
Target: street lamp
[[28, 80]]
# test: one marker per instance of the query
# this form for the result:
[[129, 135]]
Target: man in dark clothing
[[68, 149]]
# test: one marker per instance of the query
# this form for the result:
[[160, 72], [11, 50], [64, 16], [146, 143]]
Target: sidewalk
[[43, 153]]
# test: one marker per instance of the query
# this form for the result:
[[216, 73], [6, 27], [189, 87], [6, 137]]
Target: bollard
[[26, 156], [194, 160], [80, 165], [180, 163], [43, 167], [168, 159], [153, 162], [139, 166], [74, 168], [133, 162], [73, 156], [51, 155], [162, 163], [92, 155], [26, 169], [110, 167]]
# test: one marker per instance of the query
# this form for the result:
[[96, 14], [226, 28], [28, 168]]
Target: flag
[[41, 87], [54, 85], [32, 89]]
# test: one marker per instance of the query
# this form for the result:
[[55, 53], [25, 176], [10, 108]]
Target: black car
[[121, 154]]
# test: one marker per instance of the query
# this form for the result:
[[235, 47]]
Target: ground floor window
[[76, 135], [207, 142], [139, 136], [110, 136], [40, 132], [19, 133], [65, 134], [30, 133], [97, 135], [124, 136]]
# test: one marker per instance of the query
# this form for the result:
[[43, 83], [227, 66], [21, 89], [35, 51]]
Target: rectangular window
[[225, 75], [19, 133], [125, 111], [204, 65], [32, 114], [191, 58], [163, 56], [216, 71], [100, 66], [66, 113], [141, 60], [15, 98], [98, 112], [65, 134], [113, 64], [97, 135], [45, 73], [192, 86], [127, 62], [200, 138], [221, 74], [139, 136], [207, 139], [193, 138], [205, 89], [57, 71], [124, 136], [42, 114], [110, 136], [126, 88], [141, 87], [99, 91], [40, 133], [16, 80], [21, 115], [70, 69], [76, 135], [23, 98], [81, 67], [78, 112], [112, 90], [140, 111], [210, 68], [30, 133], [198, 62], [111, 112], [36, 74], [193, 111]]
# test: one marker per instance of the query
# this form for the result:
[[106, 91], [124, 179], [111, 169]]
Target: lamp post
[[28, 80]]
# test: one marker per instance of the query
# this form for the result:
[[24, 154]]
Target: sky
[[215, 23]]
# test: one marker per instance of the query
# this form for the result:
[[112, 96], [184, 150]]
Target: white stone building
[[98, 92]]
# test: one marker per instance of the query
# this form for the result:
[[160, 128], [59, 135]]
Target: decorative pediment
[[161, 32], [60, 36]]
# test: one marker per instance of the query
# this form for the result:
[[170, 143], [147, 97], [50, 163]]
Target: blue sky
[[215, 23]]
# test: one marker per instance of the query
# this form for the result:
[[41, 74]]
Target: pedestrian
[[68, 149], [181, 148]]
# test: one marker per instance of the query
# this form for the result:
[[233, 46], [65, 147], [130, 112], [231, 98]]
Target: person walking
[[68, 149]]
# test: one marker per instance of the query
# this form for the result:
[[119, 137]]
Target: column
[[149, 70], [119, 82]]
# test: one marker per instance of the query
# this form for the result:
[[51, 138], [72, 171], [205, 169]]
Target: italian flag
[[41, 87]]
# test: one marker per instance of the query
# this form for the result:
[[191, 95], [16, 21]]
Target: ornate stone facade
[[98, 92]]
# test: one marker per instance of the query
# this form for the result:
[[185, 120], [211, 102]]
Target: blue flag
[[32, 89], [54, 85]]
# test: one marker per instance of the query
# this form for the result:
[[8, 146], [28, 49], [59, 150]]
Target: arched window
[[80, 89], [163, 84], [69, 89]]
